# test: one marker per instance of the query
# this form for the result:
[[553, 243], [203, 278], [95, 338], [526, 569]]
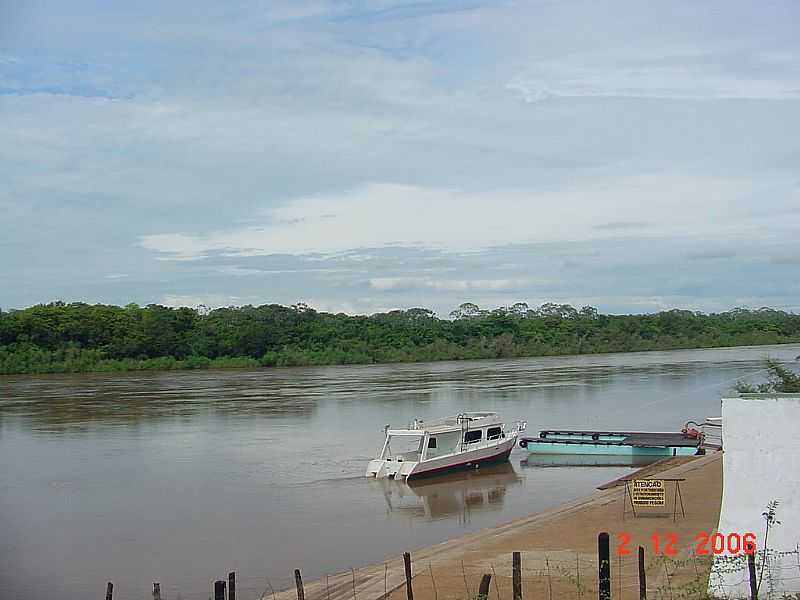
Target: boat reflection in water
[[586, 460], [460, 493]]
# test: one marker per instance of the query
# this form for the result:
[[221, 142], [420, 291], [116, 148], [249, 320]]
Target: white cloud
[[385, 215], [647, 81], [446, 285], [204, 139], [238, 271], [210, 300], [358, 306]]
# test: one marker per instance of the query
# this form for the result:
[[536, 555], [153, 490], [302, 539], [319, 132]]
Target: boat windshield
[[403, 447]]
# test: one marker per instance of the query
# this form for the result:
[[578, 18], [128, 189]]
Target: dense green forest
[[77, 337]]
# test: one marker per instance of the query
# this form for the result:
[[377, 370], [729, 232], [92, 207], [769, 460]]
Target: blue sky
[[364, 156]]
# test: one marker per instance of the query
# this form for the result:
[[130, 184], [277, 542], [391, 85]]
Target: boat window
[[432, 443], [470, 437], [494, 433]]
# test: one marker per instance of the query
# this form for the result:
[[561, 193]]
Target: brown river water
[[181, 477]]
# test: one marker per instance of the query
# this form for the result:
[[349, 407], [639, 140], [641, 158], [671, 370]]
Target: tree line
[[77, 337]]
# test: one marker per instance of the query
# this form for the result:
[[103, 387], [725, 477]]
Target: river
[[180, 477]]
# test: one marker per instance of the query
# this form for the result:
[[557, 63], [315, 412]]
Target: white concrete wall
[[761, 463]]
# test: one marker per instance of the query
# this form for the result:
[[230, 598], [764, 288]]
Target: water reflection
[[459, 494], [586, 460], [56, 403], [74, 403]]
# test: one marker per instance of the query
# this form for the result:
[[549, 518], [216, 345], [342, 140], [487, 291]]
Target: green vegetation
[[58, 337], [781, 381]]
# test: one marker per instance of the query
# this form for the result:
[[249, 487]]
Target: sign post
[[650, 493]]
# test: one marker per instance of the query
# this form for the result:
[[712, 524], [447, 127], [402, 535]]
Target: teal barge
[[617, 443]]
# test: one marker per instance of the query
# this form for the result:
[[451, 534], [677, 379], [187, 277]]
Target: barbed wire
[[683, 576]]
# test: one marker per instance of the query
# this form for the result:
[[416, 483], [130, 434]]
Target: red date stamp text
[[704, 543]]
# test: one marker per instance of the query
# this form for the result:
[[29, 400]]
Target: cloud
[[446, 285], [238, 271], [354, 306], [711, 254], [411, 10], [622, 225], [646, 82], [384, 215], [228, 152], [210, 300], [785, 260]]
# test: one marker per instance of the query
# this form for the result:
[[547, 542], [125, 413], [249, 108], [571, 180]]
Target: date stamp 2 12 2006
[[704, 543]]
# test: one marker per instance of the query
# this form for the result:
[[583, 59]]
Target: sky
[[363, 156]]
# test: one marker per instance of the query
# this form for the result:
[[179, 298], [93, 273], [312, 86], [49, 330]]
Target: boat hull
[[553, 447], [467, 460]]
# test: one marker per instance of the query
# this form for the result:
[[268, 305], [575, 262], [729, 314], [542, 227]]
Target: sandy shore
[[559, 550]]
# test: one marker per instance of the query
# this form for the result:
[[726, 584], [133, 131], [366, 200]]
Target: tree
[[519, 309], [302, 307], [468, 310], [781, 381], [61, 337], [557, 311], [420, 314]]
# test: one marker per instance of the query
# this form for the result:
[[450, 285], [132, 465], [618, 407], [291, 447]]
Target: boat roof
[[452, 423]]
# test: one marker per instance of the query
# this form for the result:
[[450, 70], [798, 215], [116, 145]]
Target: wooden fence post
[[407, 564], [231, 586], [298, 582], [516, 574], [219, 590], [156, 591], [604, 567], [110, 591], [483, 588], [642, 576], [751, 567]]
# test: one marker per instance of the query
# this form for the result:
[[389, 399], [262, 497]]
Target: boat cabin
[[452, 435]]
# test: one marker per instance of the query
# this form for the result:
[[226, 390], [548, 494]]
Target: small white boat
[[464, 441]]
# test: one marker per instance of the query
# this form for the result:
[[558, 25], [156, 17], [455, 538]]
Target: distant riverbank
[[75, 338], [79, 362]]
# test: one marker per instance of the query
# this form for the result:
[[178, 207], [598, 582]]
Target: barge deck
[[634, 443]]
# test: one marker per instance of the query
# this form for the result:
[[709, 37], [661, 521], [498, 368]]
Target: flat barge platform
[[619, 443]]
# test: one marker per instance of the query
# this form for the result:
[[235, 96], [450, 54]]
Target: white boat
[[464, 441]]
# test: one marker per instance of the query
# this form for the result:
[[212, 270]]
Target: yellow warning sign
[[648, 492]]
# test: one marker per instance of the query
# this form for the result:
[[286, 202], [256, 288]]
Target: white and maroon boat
[[464, 441]]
